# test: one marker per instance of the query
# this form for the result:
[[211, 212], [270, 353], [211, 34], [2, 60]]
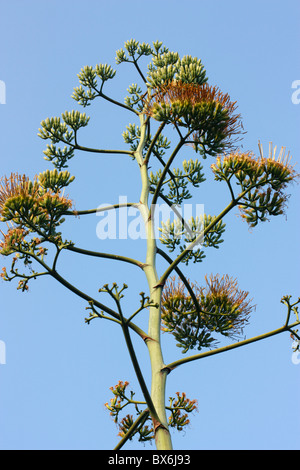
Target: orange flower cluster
[[222, 308], [262, 181], [190, 94], [12, 240], [178, 419], [15, 185], [277, 169], [27, 203], [201, 108]]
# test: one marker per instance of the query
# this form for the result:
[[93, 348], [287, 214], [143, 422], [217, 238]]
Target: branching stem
[[102, 209], [196, 357], [105, 255]]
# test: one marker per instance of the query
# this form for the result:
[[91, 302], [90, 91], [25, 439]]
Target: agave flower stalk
[[175, 92]]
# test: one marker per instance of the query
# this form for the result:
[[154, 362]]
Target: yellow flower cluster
[[222, 308], [204, 110], [262, 181], [28, 203]]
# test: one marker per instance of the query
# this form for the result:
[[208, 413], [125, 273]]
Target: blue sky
[[58, 369]]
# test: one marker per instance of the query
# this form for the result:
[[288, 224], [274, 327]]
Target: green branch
[[102, 209], [165, 171], [172, 176], [116, 296], [153, 142], [195, 242], [177, 212], [105, 151], [83, 295], [139, 374], [182, 277], [117, 103], [105, 255], [139, 70], [52, 136], [198, 239], [195, 357], [98, 304], [139, 421]]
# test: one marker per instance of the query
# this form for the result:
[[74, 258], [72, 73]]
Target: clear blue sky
[[58, 369]]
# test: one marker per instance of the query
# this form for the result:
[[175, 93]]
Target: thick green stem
[[159, 373], [138, 371]]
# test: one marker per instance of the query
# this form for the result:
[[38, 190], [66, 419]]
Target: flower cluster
[[178, 419], [118, 403], [63, 130], [119, 395], [32, 210], [179, 409], [38, 205], [221, 308], [207, 113], [179, 233], [12, 240], [145, 432], [262, 181]]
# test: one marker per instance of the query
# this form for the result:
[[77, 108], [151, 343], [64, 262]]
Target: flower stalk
[[158, 381], [177, 94]]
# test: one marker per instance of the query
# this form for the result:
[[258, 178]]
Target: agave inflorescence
[[262, 181], [207, 113], [222, 308], [32, 206], [176, 91], [122, 398]]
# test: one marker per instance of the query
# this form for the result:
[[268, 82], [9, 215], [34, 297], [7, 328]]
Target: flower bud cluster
[[179, 409], [89, 88], [62, 130], [179, 233], [178, 419], [192, 173]]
